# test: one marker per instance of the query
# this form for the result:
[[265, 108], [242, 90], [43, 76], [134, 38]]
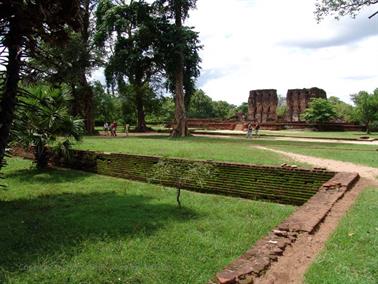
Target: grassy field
[[62, 226], [231, 150], [359, 154], [305, 133], [321, 134], [351, 253]]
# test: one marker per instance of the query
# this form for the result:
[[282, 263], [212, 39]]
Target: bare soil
[[291, 267], [332, 165]]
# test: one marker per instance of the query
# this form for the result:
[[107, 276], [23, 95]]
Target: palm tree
[[43, 120]]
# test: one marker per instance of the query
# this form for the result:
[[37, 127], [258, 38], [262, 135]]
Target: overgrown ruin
[[262, 105], [297, 101]]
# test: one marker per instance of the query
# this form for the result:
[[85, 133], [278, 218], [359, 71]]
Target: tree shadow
[[57, 225], [49, 175]]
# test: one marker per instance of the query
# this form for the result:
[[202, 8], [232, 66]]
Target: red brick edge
[[256, 261]]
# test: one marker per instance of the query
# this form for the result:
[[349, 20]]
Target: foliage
[[168, 49], [202, 106], [340, 8], [107, 107], [282, 112], [164, 111], [366, 111], [179, 50], [344, 111], [71, 64], [223, 109], [22, 25], [131, 32], [193, 174], [42, 120], [319, 111], [243, 108]]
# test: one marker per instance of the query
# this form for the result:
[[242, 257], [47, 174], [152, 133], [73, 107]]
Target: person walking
[[114, 128], [249, 130]]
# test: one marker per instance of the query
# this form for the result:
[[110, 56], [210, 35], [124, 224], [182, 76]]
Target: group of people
[[250, 128], [112, 129]]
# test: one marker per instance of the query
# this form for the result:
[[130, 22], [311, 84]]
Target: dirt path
[[292, 266], [332, 165]]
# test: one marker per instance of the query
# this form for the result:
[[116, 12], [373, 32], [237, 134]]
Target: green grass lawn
[[350, 255], [304, 133], [231, 150], [321, 134], [359, 154], [63, 226]]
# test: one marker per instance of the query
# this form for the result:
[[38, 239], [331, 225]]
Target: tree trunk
[[87, 93], [87, 102], [141, 122], [8, 102], [76, 102], [368, 127], [180, 127]]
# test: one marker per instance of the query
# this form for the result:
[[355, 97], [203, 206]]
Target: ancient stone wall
[[278, 184], [262, 105], [298, 100]]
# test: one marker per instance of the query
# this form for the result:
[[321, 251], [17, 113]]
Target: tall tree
[[132, 33], [178, 10], [71, 65], [366, 111], [22, 24], [340, 8]]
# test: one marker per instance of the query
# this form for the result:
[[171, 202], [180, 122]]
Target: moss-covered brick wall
[[283, 185]]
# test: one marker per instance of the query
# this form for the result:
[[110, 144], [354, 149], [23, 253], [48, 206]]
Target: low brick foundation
[[305, 220], [217, 124], [279, 184]]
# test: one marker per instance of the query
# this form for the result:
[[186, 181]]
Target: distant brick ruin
[[262, 105], [298, 100]]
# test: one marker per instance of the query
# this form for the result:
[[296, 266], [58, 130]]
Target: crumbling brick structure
[[298, 100], [262, 105]]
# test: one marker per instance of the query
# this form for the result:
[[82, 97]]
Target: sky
[[275, 44]]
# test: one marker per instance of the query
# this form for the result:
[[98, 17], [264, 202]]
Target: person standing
[[257, 128], [249, 130], [127, 126], [106, 128]]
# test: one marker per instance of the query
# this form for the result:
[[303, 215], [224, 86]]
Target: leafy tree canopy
[[340, 8], [319, 111], [366, 111], [344, 111]]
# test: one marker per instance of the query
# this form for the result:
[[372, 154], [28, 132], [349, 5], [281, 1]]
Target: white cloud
[[278, 44]]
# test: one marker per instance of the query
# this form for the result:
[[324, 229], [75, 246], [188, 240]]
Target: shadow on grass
[[57, 226], [34, 176]]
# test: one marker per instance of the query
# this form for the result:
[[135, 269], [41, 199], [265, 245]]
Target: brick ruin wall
[[262, 105], [298, 100], [278, 184]]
